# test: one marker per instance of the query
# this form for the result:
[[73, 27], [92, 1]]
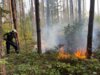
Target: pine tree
[[38, 26], [2, 66], [90, 29], [14, 15]]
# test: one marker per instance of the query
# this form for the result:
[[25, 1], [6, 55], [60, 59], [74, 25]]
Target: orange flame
[[80, 54], [62, 54]]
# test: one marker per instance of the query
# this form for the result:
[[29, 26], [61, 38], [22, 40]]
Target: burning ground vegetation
[[79, 53], [53, 63]]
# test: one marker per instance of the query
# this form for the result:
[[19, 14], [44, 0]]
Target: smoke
[[79, 39], [54, 35], [96, 36]]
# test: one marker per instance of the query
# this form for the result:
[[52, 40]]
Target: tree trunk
[[90, 29], [0, 35], [71, 11], [67, 10], [48, 13], [33, 20], [38, 26], [2, 66], [14, 15], [79, 11], [13, 7], [10, 15], [83, 9], [22, 20], [98, 7], [64, 11], [42, 12], [57, 12]]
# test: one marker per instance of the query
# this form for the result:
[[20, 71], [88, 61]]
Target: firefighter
[[11, 40]]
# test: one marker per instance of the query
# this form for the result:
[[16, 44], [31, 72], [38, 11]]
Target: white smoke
[[54, 35], [96, 35]]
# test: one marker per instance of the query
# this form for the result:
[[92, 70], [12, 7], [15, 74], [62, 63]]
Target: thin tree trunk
[[57, 12], [67, 10], [38, 26], [47, 17], [11, 18], [13, 7], [22, 14], [76, 11], [21, 17], [64, 11], [52, 12], [90, 29], [33, 20], [79, 11], [71, 11], [2, 66], [83, 9], [48, 13], [42, 12], [10, 15], [98, 7], [0, 36]]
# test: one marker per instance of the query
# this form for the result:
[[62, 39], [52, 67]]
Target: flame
[[62, 54], [80, 54]]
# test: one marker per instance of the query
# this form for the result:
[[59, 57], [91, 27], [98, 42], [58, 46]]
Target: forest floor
[[28, 62]]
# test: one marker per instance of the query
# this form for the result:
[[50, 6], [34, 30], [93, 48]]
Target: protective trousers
[[11, 43]]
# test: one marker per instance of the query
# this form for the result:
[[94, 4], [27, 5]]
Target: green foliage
[[31, 63], [4, 11], [3, 61], [73, 31]]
